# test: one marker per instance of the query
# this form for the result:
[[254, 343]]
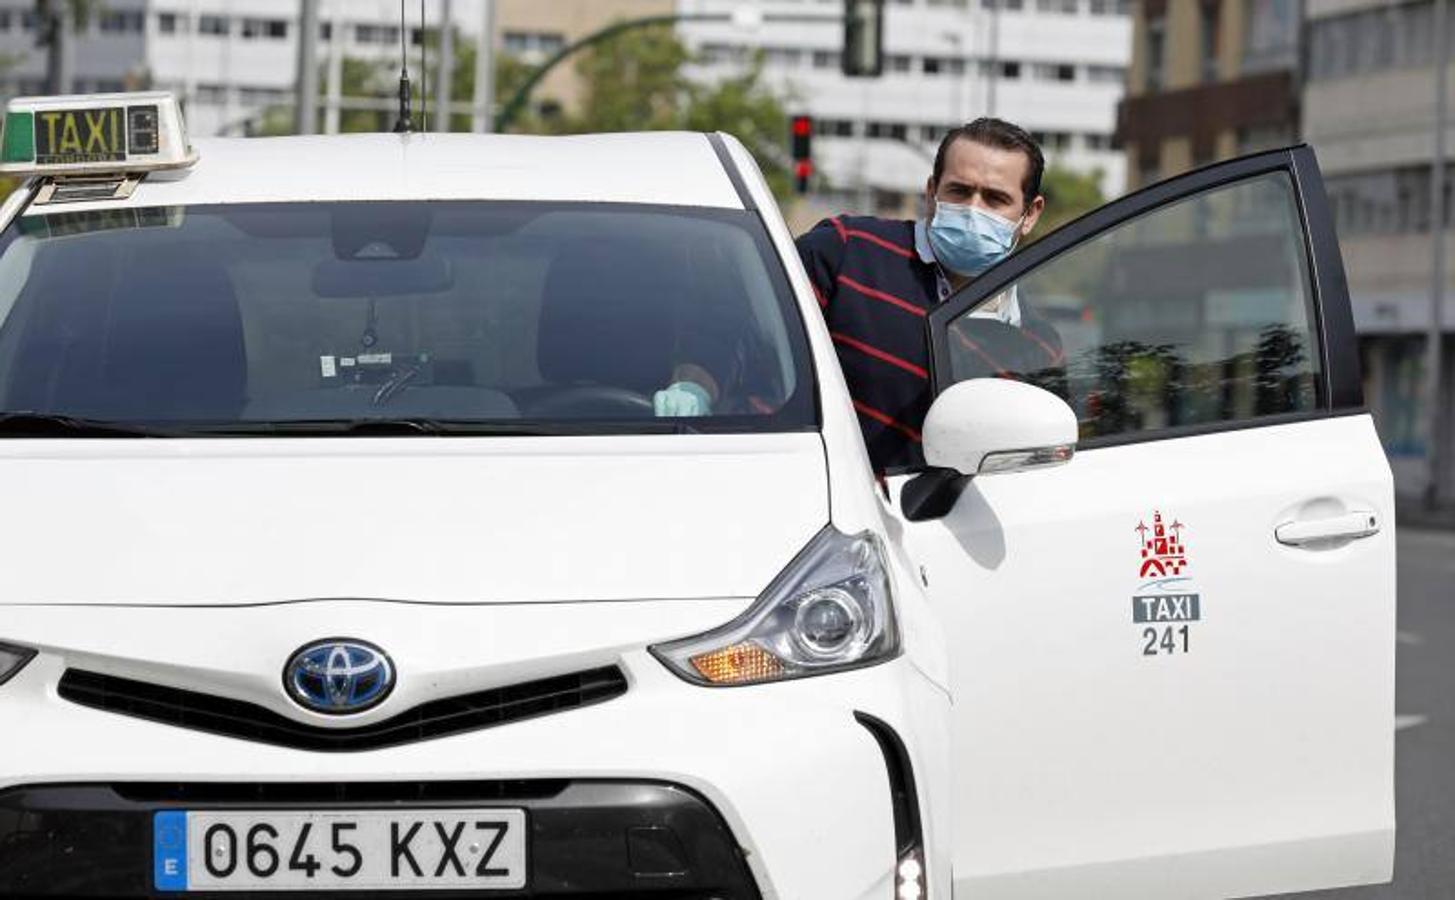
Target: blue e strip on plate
[[169, 853]]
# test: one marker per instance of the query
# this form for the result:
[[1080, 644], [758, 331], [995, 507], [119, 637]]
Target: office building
[[1368, 104], [1209, 80], [1056, 67], [231, 60]]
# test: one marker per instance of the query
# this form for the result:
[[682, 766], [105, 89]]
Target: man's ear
[[1033, 214], [930, 197]]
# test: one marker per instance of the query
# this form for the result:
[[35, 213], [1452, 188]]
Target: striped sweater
[[875, 291]]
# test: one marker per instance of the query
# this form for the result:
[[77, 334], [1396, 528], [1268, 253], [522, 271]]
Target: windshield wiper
[[379, 427], [452, 427], [45, 425]]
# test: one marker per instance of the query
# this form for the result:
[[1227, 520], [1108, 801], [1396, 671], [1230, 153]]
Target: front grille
[[183, 794], [588, 839], [250, 722]]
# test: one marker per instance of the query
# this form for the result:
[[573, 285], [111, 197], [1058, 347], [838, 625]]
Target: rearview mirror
[[987, 426], [383, 278]]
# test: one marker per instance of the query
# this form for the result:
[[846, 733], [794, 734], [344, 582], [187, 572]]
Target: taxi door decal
[[1166, 600]]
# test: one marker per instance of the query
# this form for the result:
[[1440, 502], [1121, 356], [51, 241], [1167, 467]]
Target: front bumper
[[798, 783], [588, 839]]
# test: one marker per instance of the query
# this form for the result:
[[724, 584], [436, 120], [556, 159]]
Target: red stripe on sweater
[[886, 420], [878, 354], [876, 239], [867, 291]]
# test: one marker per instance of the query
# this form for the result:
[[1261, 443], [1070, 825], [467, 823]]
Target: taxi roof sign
[[80, 134]]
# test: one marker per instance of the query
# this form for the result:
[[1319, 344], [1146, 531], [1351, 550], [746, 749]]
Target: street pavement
[[1424, 864]]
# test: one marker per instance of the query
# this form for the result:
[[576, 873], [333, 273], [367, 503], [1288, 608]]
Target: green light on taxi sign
[[19, 140]]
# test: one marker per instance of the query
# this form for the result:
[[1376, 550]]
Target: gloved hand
[[682, 398]]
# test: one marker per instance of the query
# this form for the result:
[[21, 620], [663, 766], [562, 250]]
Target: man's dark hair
[[1002, 135]]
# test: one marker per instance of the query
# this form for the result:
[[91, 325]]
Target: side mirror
[[987, 426]]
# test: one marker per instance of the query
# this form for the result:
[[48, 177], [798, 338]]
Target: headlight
[[12, 660], [830, 609]]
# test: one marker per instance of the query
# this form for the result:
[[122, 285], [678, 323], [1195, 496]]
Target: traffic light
[[802, 152], [863, 55]]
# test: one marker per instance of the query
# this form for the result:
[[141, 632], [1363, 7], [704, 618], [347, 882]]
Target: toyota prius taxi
[[345, 548]]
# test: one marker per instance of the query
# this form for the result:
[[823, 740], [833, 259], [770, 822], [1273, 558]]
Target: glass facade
[[1398, 36]]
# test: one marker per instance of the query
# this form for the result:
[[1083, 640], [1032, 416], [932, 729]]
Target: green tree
[[510, 73], [744, 107], [634, 82], [379, 80], [1069, 195]]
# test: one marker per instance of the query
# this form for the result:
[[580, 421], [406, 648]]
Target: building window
[[1111, 7], [1156, 55], [898, 62], [1098, 142], [533, 43], [169, 23], [826, 59], [1057, 6], [260, 96], [788, 57], [897, 131], [1395, 36], [1053, 72], [131, 22], [1401, 422], [1208, 22], [212, 93], [217, 25], [1106, 74], [376, 34], [1054, 141], [276, 29], [1389, 201], [940, 65]]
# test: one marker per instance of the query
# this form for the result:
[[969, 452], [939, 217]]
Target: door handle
[[1349, 526]]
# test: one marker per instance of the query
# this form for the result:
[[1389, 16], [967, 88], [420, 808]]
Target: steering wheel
[[586, 400]]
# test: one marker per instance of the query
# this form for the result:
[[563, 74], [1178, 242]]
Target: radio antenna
[[423, 71], [405, 122]]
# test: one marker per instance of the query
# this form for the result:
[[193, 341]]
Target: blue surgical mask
[[968, 240]]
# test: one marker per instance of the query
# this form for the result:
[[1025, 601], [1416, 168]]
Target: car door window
[[1194, 313]]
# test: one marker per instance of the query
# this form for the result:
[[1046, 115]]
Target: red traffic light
[[802, 126], [803, 168]]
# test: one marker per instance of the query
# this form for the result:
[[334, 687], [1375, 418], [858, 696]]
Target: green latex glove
[[682, 398]]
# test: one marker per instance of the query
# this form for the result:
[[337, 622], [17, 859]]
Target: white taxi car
[[343, 549]]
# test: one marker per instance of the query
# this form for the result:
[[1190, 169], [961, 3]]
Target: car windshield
[[447, 316]]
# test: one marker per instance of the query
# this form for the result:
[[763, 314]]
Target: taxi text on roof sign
[[93, 133]]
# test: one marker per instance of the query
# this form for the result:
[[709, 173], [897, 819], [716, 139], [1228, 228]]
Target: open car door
[[1173, 657]]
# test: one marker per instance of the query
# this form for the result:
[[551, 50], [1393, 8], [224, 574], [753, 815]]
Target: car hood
[[427, 519]]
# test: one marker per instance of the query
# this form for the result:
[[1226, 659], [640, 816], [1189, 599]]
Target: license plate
[[342, 850]]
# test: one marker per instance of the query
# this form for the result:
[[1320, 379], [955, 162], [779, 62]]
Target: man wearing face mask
[[877, 279]]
